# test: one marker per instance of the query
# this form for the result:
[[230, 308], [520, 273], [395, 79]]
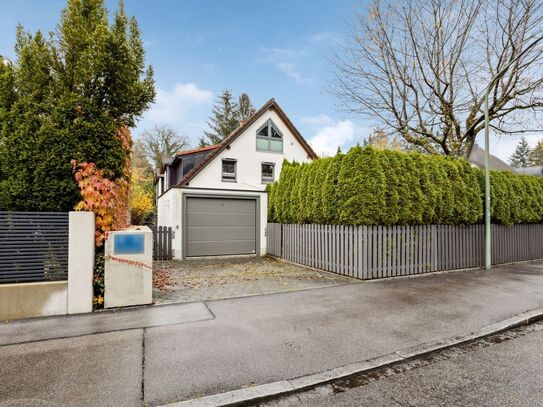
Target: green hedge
[[381, 187]]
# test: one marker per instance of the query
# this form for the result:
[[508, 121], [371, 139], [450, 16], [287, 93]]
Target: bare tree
[[421, 69], [161, 143]]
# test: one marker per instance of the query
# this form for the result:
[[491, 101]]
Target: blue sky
[[276, 49]]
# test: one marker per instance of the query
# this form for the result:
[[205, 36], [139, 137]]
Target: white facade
[[248, 181], [249, 159]]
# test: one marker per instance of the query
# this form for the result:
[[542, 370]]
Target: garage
[[216, 226]]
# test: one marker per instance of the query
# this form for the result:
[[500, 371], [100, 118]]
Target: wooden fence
[[162, 242], [369, 252]]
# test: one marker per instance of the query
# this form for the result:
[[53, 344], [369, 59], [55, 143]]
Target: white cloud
[[150, 43], [319, 120], [323, 38], [292, 71], [338, 134], [171, 105], [286, 60], [184, 108], [285, 53]]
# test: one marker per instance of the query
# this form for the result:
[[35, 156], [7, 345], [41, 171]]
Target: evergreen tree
[[68, 99], [223, 119], [245, 107], [521, 156], [536, 155], [226, 117]]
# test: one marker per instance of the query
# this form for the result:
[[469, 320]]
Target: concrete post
[[81, 246], [129, 267]]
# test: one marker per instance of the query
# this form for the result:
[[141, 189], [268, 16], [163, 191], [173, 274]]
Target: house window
[[229, 170], [269, 138], [267, 172]]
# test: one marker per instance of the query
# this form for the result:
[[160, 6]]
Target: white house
[[214, 198]]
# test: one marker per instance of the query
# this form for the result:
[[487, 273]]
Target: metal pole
[[488, 235]]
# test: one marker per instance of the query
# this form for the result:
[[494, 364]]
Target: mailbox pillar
[[129, 267]]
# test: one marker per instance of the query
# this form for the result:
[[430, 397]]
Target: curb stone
[[283, 387]]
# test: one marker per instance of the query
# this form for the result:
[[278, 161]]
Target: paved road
[[509, 373], [175, 352]]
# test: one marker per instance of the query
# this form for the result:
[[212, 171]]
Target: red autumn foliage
[[107, 198]]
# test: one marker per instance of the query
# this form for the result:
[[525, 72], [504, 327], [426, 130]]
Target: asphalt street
[[163, 354], [507, 373]]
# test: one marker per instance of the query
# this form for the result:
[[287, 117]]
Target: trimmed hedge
[[382, 187]]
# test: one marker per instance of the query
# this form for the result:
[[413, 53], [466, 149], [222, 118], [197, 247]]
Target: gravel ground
[[228, 277]]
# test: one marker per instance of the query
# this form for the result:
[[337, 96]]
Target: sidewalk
[[252, 340]]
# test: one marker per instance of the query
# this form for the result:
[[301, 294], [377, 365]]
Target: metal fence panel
[[368, 252], [33, 246]]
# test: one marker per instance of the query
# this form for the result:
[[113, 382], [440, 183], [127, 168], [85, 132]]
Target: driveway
[[216, 278]]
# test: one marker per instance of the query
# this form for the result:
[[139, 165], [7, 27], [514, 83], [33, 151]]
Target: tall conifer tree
[[521, 156], [68, 97], [536, 155], [223, 119]]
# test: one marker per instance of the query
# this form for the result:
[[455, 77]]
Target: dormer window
[[269, 138]]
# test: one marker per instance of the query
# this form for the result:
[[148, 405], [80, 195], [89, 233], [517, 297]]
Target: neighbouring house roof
[[182, 153], [533, 170], [270, 104], [196, 150], [477, 158]]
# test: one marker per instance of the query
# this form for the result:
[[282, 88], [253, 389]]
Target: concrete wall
[[38, 299], [27, 300]]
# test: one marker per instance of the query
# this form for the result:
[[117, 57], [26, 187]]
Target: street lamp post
[[488, 235]]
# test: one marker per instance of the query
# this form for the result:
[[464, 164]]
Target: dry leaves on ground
[[162, 280]]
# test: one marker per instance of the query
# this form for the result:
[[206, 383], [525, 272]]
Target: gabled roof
[[477, 157], [270, 104], [533, 170], [196, 150]]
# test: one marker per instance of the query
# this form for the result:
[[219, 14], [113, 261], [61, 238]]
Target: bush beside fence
[[374, 187]]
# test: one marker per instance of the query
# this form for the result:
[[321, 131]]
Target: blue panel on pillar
[[128, 243]]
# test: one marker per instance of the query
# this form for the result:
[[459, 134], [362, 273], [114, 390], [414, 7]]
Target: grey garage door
[[220, 226]]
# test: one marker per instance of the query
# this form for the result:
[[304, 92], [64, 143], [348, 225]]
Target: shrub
[[330, 190], [98, 281], [370, 187], [362, 167]]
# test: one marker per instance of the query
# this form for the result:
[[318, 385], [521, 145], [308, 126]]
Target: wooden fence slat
[[354, 250], [378, 251]]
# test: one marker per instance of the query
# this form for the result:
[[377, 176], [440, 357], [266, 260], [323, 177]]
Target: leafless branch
[[421, 68]]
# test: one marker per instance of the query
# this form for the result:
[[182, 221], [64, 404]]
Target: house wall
[[249, 160], [170, 213], [263, 215], [248, 178]]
